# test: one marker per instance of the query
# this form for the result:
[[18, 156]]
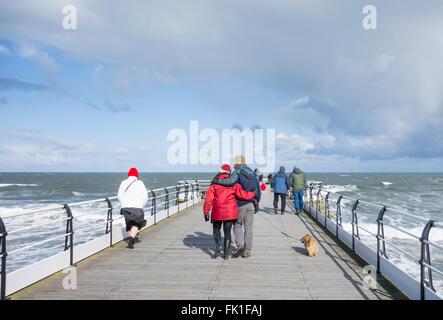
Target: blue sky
[[104, 97]]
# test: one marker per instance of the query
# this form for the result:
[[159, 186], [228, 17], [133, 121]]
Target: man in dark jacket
[[298, 184], [280, 185], [246, 208]]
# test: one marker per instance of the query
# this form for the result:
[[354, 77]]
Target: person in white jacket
[[133, 196]]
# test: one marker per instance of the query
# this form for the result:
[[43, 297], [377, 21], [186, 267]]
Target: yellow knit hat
[[238, 160]]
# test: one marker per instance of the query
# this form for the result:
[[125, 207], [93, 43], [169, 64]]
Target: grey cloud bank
[[367, 95]]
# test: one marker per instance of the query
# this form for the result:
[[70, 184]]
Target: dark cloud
[[110, 106], [117, 107], [38, 139], [378, 93], [256, 127], [14, 84], [237, 126]]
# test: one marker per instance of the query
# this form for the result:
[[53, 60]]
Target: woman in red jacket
[[223, 201]]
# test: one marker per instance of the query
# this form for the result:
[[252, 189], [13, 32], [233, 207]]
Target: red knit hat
[[133, 172], [225, 169]]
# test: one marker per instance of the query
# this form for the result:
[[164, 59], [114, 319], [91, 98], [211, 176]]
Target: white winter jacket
[[136, 196]]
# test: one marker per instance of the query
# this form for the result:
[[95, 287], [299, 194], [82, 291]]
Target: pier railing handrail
[[182, 187], [424, 261]]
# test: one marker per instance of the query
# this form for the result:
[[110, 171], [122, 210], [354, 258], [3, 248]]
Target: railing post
[[70, 233], [167, 201], [327, 208], [198, 186], [186, 193], [177, 187], [338, 215], [3, 254], [311, 200], [109, 221], [317, 203], [425, 257], [154, 206], [354, 224], [305, 196], [380, 236]]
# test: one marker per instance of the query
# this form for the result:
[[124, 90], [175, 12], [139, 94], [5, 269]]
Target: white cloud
[[46, 63], [4, 50], [382, 87]]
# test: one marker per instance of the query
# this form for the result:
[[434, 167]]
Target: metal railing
[[182, 191], [314, 196]]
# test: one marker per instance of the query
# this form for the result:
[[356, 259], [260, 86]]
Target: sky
[[104, 97]]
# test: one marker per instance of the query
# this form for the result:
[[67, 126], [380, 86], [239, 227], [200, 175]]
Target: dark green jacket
[[298, 180]]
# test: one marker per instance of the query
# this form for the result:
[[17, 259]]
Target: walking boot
[[275, 211], [131, 242], [137, 240], [239, 251], [226, 249], [217, 252]]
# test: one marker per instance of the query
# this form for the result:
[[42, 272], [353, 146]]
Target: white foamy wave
[[436, 234], [337, 188], [386, 183], [345, 175], [78, 194], [5, 212], [4, 185]]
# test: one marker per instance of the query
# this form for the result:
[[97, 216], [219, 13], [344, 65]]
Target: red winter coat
[[223, 200]]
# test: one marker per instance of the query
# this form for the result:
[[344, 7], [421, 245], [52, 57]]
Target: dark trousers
[[283, 201], [216, 226]]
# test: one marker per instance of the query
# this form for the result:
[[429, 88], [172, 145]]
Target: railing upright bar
[[178, 196], [70, 233], [109, 221], [186, 193], [326, 209], [3, 259], [154, 206], [425, 258], [380, 237], [167, 201], [354, 224], [317, 203], [338, 216]]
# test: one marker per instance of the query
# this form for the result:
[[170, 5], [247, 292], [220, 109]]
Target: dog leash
[[287, 235]]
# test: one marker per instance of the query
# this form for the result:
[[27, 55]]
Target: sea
[[418, 194]]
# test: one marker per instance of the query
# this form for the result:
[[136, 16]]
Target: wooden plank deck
[[174, 261]]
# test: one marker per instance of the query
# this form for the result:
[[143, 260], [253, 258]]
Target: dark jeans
[[283, 201], [216, 226]]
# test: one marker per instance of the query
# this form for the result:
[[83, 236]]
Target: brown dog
[[311, 245]]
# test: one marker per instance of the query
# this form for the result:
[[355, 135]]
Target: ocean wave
[[78, 194], [436, 234], [386, 183], [4, 185], [340, 188]]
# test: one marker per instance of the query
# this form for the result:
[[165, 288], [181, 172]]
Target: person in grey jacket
[[244, 176]]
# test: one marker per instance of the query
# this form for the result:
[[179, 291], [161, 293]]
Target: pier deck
[[174, 261]]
